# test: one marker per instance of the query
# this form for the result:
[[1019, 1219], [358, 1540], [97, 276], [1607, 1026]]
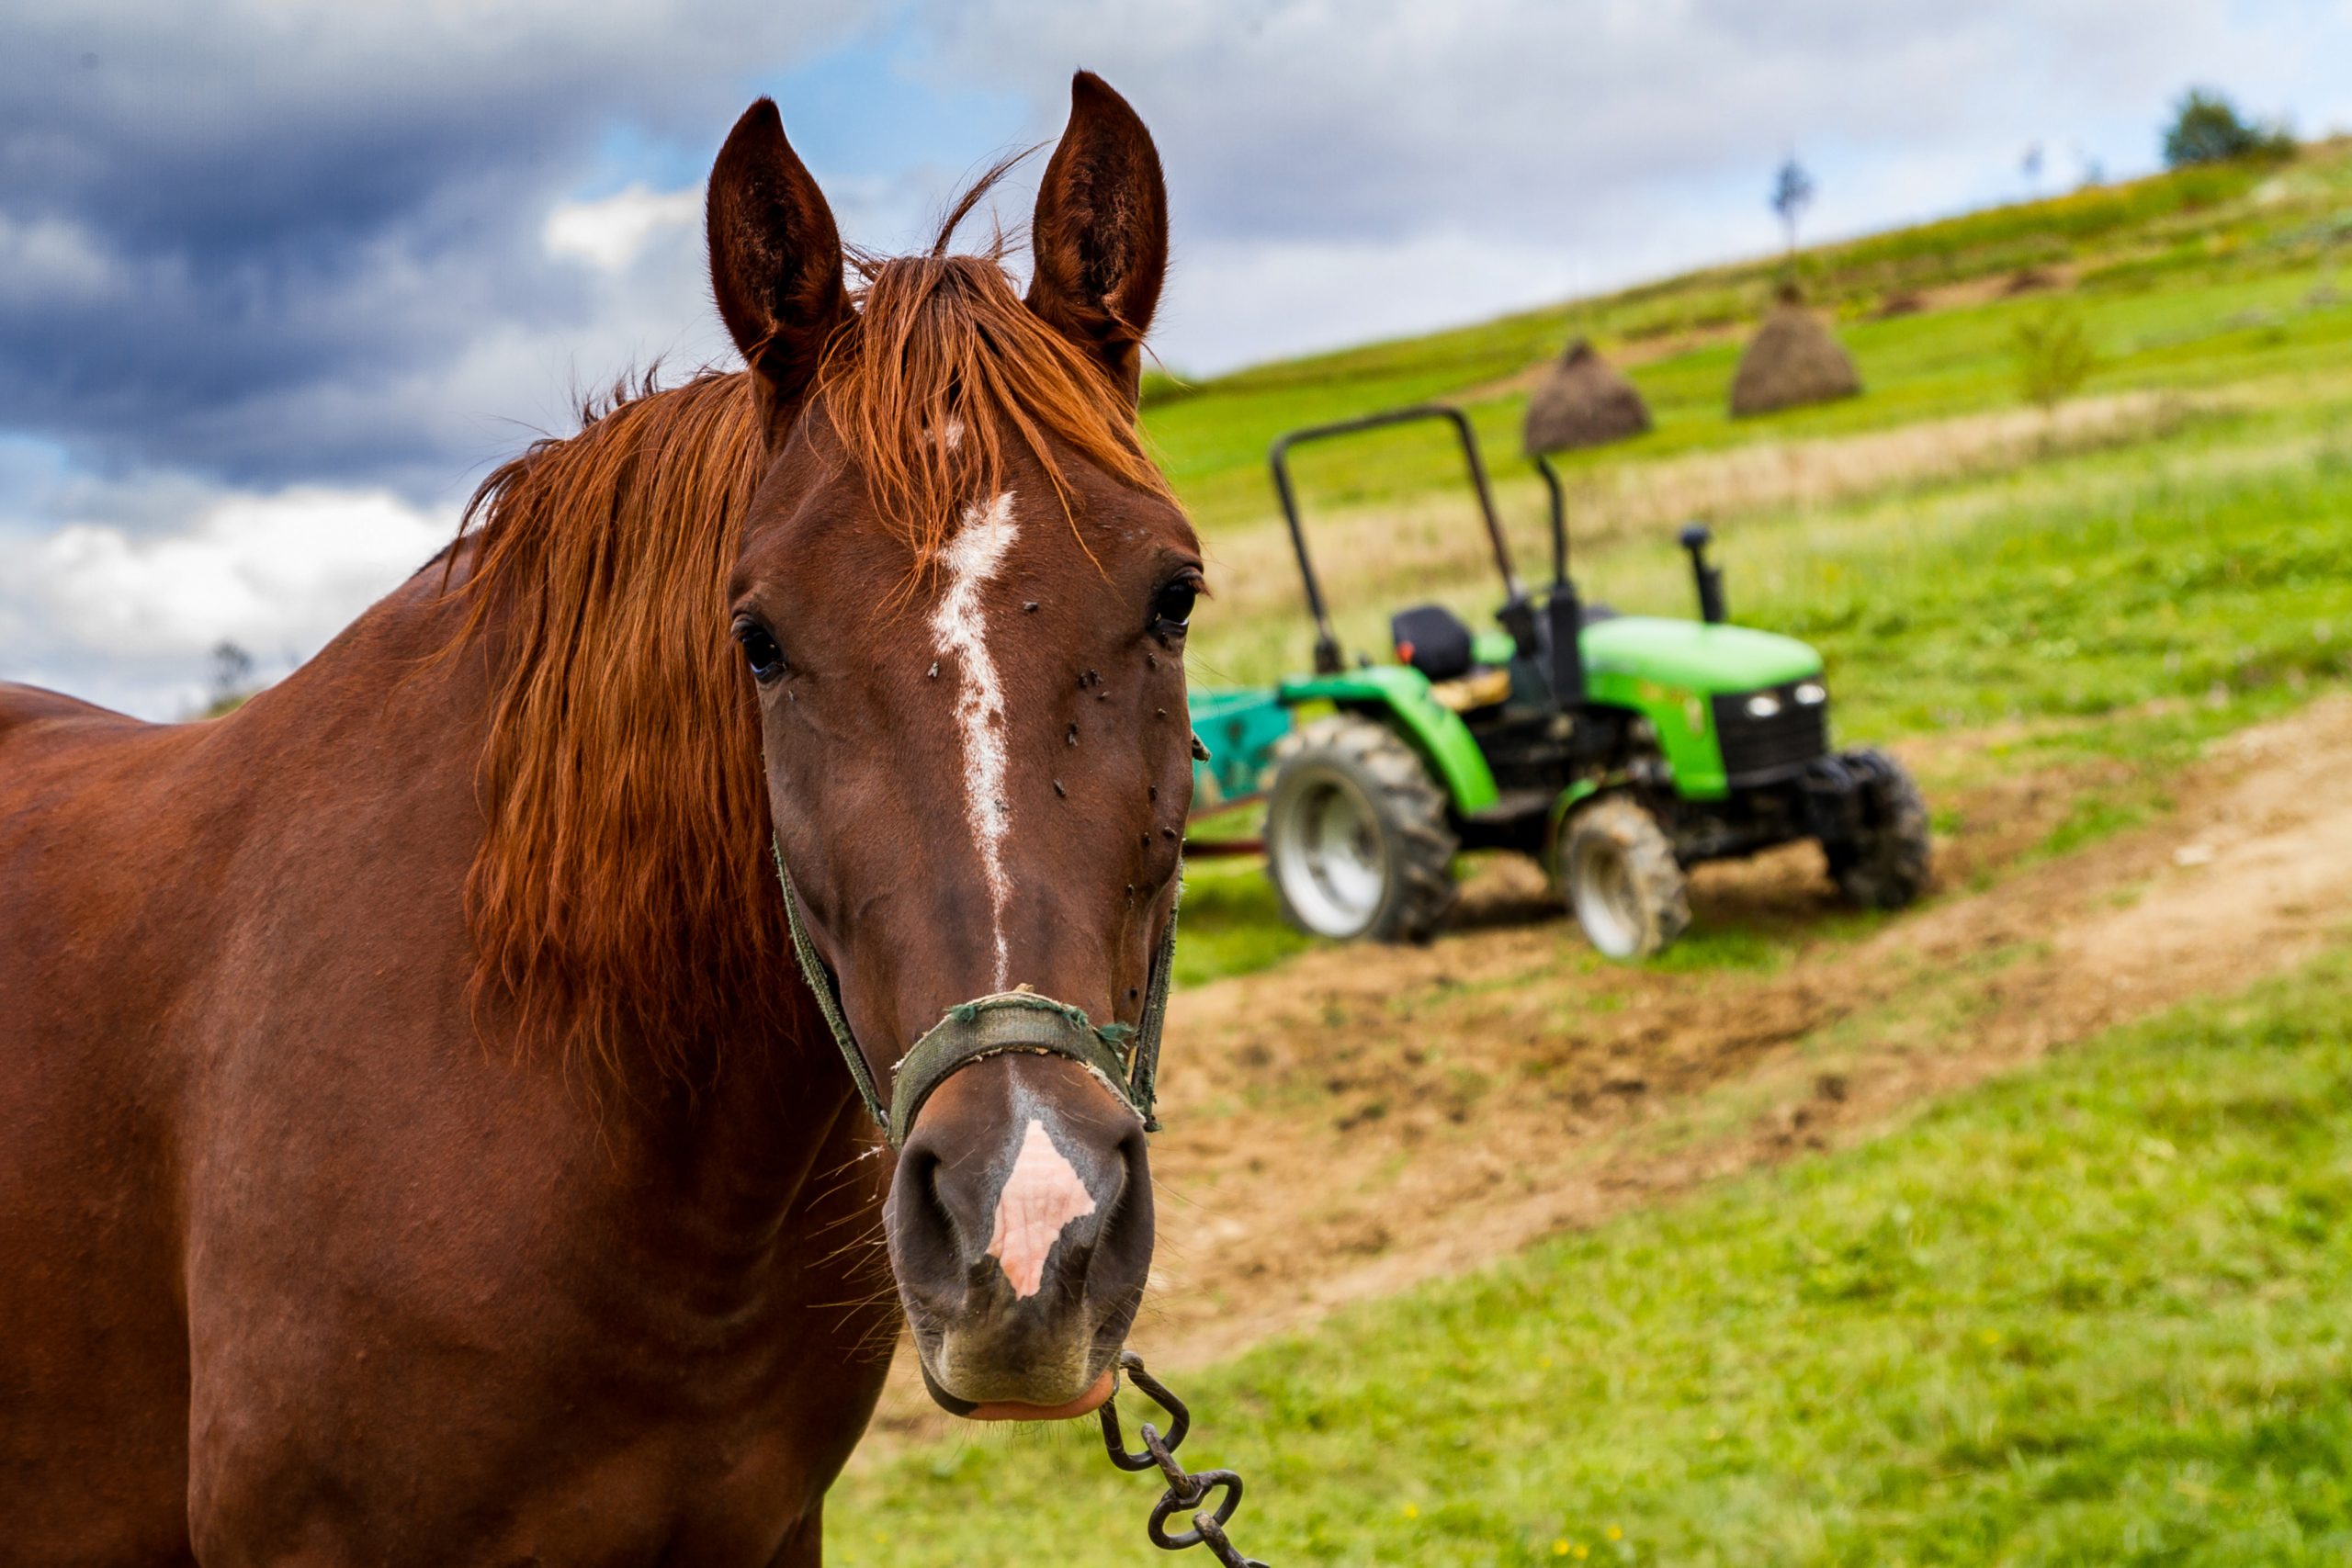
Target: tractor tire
[[1357, 840], [1616, 870], [1888, 866]]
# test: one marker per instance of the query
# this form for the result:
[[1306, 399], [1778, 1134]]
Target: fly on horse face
[[434, 1099]]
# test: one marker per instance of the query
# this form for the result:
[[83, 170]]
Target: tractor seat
[[1480, 689], [1432, 640]]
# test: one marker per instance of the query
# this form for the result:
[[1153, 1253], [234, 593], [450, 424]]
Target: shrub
[[2054, 355], [2207, 128]]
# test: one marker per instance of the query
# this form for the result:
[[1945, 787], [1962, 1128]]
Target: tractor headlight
[[1763, 705], [1813, 694]]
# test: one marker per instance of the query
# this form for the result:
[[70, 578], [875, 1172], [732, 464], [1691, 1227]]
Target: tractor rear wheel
[[1886, 867], [1616, 869], [1357, 840]]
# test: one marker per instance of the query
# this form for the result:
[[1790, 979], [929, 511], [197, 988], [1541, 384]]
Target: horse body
[[281, 1230]]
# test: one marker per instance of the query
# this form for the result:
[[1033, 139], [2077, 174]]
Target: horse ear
[[1099, 237], [775, 256]]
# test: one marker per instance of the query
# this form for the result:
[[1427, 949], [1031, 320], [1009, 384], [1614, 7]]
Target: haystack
[[1583, 402], [1792, 361]]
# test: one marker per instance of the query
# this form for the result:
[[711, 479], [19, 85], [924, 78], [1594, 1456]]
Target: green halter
[[1124, 1057]]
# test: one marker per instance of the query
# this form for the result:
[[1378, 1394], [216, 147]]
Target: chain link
[[1187, 1490]]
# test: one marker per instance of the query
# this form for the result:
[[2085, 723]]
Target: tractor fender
[[1576, 795], [1398, 695]]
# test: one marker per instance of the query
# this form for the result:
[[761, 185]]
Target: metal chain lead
[[1187, 1490]]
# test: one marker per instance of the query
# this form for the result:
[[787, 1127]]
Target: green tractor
[[1619, 751]]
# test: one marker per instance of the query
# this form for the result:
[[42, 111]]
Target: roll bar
[[1327, 643], [1559, 502]]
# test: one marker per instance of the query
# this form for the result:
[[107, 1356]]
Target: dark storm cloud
[[240, 237]]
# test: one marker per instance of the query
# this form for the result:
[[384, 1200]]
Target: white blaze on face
[[1041, 1197], [960, 625]]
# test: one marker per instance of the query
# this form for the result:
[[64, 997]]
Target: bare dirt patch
[[1361, 1120]]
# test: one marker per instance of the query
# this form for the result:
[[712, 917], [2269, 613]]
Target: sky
[[281, 279]]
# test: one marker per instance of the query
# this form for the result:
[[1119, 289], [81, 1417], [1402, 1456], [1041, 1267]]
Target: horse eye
[[759, 651], [1172, 609]]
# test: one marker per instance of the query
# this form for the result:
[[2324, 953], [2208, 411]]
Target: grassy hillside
[[2148, 240], [2176, 536], [2203, 284]]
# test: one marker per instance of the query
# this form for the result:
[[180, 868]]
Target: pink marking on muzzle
[[1040, 1199]]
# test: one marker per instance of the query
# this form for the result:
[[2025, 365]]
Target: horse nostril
[[1118, 1256], [1135, 1164], [920, 1169]]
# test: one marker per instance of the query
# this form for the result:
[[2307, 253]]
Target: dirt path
[[1356, 1122]]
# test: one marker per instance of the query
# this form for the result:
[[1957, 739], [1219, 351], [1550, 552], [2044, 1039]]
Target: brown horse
[[417, 1141]]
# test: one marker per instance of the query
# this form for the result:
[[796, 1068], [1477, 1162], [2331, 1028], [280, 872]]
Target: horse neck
[[733, 1114]]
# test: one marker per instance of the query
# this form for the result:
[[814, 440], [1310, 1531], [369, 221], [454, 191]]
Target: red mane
[[621, 898]]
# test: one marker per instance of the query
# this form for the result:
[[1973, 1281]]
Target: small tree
[[2207, 128], [1792, 194], [231, 667], [2055, 356], [232, 677], [2030, 165]]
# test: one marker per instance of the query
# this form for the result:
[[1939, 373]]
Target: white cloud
[[130, 618], [1233, 301], [610, 230]]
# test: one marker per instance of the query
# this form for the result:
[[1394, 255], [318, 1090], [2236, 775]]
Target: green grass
[[2166, 461], [1739, 948], [2216, 553], [1231, 925], [2099, 584], [2098, 1314]]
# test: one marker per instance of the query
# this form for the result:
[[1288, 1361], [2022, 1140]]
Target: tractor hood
[[1695, 656]]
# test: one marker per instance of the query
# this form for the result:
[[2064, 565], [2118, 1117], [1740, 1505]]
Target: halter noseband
[[1124, 1057]]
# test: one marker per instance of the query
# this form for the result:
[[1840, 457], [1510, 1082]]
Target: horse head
[[961, 597]]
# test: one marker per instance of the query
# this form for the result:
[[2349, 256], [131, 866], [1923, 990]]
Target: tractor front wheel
[[1357, 840], [1885, 865], [1616, 869]]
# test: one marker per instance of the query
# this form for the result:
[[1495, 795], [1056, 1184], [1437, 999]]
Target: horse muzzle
[[1020, 1225], [1020, 1216]]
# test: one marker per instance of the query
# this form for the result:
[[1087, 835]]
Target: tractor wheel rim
[[1607, 906], [1326, 850]]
